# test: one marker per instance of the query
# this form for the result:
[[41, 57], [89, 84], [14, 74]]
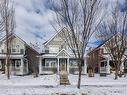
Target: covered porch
[[18, 65], [55, 63]]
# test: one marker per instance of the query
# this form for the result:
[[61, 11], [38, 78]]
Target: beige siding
[[16, 46]]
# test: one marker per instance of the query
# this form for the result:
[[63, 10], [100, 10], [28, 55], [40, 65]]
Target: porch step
[[64, 79]]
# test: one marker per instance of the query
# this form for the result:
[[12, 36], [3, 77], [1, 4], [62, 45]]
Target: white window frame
[[1, 64], [17, 62], [49, 63]]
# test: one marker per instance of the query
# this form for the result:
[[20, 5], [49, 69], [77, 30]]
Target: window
[[17, 64], [53, 49], [73, 63], [50, 62], [103, 64], [2, 51], [0, 65], [22, 51], [15, 48]]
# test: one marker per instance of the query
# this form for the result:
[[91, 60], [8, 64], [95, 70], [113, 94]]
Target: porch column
[[108, 66], [22, 67], [68, 65], [40, 65], [85, 66], [58, 65], [27, 66]]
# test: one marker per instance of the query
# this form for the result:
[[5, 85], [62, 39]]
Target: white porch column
[[85, 66], [68, 65], [27, 66], [108, 66], [58, 65], [40, 65], [22, 67]]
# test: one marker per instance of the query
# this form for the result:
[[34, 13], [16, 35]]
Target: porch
[[56, 65], [18, 65]]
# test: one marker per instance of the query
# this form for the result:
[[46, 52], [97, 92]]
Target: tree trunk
[[80, 72], [7, 71], [117, 71], [116, 74]]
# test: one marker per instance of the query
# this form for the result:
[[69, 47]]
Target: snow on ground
[[47, 80], [49, 85], [97, 80]]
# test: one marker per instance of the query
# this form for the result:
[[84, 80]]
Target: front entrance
[[63, 64]]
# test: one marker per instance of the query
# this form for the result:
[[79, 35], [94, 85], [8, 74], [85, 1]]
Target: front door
[[63, 64]]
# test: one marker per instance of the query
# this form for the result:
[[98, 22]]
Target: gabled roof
[[14, 35], [103, 43], [45, 43], [58, 33], [64, 52]]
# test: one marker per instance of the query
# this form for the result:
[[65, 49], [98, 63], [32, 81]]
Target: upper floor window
[[15, 48], [53, 49]]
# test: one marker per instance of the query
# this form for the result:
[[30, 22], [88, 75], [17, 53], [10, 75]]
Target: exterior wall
[[93, 61], [57, 49], [22, 52], [33, 60], [16, 46], [50, 65], [2, 64]]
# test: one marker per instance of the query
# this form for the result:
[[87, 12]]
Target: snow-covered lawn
[[49, 85], [42, 80], [97, 80]]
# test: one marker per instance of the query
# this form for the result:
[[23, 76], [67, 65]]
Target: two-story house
[[58, 57], [22, 56], [100, 58]]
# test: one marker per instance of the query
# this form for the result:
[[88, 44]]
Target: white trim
[[53, 37], [21, 66], [40, 65], [17, 62], [64, 52], [58, 65], [68, 65]]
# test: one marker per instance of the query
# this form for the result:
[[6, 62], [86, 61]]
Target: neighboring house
[[58, 57], [100, 60], [22, 56]]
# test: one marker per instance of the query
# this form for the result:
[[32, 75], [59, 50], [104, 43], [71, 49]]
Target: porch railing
[[47, 69]]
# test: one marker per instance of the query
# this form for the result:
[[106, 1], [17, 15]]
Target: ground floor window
[[74, 62], [16, 63], [0, 64], [50, 63], [104, 64]]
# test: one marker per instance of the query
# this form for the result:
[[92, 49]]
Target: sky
[[33, 19]]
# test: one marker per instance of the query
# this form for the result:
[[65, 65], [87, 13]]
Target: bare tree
[[78, 20], [7, 25], [113, 31]]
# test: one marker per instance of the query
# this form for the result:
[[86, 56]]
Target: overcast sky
[[33, 20]]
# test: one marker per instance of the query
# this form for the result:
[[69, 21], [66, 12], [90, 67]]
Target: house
[[58, 57], [22, 56], [100, 59]]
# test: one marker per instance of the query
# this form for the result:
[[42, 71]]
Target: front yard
[[49, 85]]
